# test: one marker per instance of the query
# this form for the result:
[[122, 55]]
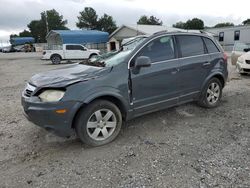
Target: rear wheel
[[55, 59], [92, 56], [99, 123], [211, 94]]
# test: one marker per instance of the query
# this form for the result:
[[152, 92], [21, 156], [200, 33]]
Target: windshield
[[117, 59], [241, 46], [133, 43]]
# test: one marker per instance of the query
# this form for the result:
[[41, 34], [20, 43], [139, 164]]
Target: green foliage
[[180, 25], [13, 35], [88, 19], [106, 23], [152, 20], [226, 24], [25, 33], [53, 21], [195, 23], [246, 22]]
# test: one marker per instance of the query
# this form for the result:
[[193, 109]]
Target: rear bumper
[[44, 115]]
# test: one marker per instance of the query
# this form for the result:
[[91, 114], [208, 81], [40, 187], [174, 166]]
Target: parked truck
[[68, 52]]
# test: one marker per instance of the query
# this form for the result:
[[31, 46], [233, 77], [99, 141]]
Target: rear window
[[211, 47], [190, 45]]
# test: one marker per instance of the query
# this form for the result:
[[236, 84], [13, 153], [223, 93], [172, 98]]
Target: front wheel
[[211, 94], [99, 123]]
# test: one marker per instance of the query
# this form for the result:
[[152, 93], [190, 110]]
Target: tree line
[[88, 19]]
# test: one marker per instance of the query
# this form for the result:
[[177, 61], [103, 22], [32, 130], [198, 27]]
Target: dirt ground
[[185, 146]]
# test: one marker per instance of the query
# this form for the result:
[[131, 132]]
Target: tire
[[55, 59], [91, 126], [211, 94]]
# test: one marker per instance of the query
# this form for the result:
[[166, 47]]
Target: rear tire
[[55, 59], [211, 94], [92, 55], [99, 123]]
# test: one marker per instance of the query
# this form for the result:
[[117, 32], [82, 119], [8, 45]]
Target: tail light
[[225, 57]]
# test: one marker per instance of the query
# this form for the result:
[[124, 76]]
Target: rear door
[[74, 51], [156, 87], [81, 52], [195, 65], [69, 52]]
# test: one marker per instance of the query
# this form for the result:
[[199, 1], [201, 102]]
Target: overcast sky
[[16, 14]]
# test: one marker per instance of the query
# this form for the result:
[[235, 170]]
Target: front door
[[156, 87]]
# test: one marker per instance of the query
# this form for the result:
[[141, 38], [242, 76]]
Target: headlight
[[51, 95]]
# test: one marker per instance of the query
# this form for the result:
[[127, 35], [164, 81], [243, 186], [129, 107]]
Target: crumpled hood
[[67, 75]]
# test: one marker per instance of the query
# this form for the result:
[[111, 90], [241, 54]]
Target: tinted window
[[159, 49], [221, 36], [70, 47], [211, 47], [190, 45], [74, 47], [237, 35]]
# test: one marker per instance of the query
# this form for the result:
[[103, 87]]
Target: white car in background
[[68, 52], [238, 50], [243, 64]]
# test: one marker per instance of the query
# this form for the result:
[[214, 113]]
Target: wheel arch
[[111, 98], [217, 75], [92, 54], [56, 54]]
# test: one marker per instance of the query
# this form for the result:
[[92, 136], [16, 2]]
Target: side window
[[78, 47], [190, 45], [237, 35], [159, 49], [221, 36], [211, 47], [70, 47]]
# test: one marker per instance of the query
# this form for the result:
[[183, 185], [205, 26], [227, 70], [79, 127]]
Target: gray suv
[[94, 98]]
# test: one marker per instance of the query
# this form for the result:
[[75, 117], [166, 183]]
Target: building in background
[[227, 36], [92, 39], [128, 31], [21, 40]]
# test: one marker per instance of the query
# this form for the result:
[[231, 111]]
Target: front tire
[[99, 123], [211, 94]]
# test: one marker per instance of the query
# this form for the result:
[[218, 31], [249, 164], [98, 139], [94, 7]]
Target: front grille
[[246, 70], [28, 91], [247, 61]]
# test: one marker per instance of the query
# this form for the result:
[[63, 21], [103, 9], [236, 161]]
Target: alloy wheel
[[101, 124], [213, 93]]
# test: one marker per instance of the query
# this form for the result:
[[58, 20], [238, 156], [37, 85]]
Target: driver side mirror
[[141, 61]]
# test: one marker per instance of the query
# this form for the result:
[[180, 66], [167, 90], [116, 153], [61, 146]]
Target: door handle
[[175, 70], [206, 64]]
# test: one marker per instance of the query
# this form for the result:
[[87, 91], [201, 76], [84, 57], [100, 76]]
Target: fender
[[106, 92], [55, 54], [213, 74]]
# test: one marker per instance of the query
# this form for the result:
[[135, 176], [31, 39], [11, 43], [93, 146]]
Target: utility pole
[[46, 22]]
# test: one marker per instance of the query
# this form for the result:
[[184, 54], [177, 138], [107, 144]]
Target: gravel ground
[[185, 146]]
